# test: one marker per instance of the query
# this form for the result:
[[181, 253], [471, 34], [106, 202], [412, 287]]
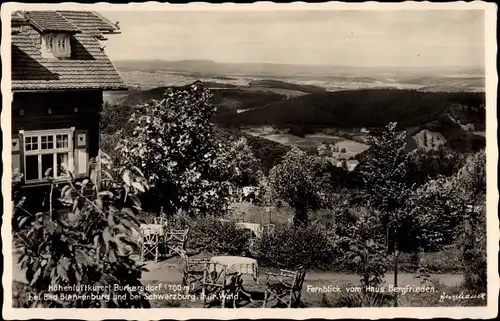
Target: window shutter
[[17, 153], [81, 153]]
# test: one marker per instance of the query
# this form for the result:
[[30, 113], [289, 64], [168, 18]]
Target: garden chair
[[193, 273], [214, 276], [220, 285], [150, 243], [268, 228], [175, 241], [285, 286], [161, 221]]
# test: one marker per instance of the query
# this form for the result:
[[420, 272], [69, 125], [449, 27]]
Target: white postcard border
[[491, 310]]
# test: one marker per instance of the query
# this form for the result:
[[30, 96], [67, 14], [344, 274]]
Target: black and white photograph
[[262, 157]]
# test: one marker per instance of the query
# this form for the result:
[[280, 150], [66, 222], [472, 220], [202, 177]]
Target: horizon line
[[300, 64]]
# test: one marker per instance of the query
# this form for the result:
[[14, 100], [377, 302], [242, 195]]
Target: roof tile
[[50, 21], [88, 68]]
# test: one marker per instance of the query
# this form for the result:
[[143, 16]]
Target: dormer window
[[56, 45]]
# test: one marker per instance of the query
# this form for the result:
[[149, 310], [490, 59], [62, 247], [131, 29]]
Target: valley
[[324, 109]]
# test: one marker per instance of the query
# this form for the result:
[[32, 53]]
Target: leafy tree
[[242, 169], [367, 250], [442, 204], [386, 190], [450, 209], [344, 166], [384, 171], [300, 181], [174, 145], [114, 119], [426, 165], [89, 247]]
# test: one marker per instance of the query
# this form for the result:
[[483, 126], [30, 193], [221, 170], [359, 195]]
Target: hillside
[[269, 153], [226, 99], [360, 108], [269, 83]]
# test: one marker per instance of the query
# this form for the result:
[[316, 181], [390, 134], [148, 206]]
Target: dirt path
[[168, 273]]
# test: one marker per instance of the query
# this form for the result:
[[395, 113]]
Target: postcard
[[222, 161]]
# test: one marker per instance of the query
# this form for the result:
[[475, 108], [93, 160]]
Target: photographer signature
[[461, 296]]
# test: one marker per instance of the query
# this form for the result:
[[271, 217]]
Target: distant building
[[351, 164]]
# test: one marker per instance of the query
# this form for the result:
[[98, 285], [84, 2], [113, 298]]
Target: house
[[59, 73]]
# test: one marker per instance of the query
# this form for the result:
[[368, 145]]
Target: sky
[[353, 38]]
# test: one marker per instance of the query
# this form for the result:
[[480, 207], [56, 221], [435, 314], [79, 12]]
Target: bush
[[213, 235], [359, 300], [474, 253], [288, 247], [447, 260], [174, 145], [92, 244]]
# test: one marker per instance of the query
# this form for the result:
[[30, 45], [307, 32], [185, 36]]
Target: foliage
[[268, 152], [288, 247], [385, 193], [360, 300], [300, 181], [114, 119], [384, 171], [300, 130], [448, 259], [452, 209], [386, 188], [212, 234], [359, 108], [470, 186], [90, 246], [367, 250], [439, 206], [216, 236], [173, 144], [242, 168], [272, 83], [108, 146], [475, 252], [426, 165]]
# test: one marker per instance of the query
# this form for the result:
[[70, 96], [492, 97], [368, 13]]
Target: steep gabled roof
[[89, 66], [17, 18], [48, 21], [90, 22]]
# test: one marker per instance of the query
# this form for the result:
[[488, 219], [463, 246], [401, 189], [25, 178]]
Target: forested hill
[[360, 108]]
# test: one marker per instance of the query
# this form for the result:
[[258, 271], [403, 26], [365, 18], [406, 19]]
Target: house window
[[47, 149], [56, 45]]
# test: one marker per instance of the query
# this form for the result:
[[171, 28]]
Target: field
[[324, 103], [429, 140], [159, 73], [352, 148]]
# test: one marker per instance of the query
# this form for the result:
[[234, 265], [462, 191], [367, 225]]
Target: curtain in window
[[58, 44]]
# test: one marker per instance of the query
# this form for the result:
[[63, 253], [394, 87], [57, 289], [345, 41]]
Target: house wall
[[62, 104], [35, 107]]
